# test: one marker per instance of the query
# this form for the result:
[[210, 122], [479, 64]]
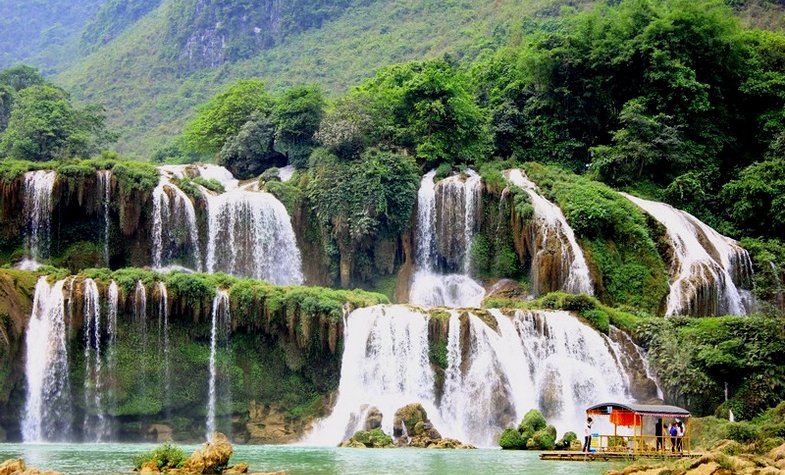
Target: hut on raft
[[635, 428]]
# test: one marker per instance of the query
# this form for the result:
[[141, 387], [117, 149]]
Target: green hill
[[149, 84], [149, 62]]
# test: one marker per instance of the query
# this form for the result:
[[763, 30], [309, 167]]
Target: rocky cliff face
[[208, 33]]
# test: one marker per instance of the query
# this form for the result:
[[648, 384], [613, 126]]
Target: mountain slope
[[149, 91], [42, 32]]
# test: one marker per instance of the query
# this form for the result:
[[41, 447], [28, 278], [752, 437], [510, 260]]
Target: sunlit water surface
[[112, 459]]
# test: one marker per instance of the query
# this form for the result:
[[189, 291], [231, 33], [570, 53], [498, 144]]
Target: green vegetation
[[44, 125], [359, 202], [532, 433], [165, 457], [696, 357], [614, 234]]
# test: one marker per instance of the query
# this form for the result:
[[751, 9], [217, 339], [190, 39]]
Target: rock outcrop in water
[[212, 458], [18, 467], [411, 428]]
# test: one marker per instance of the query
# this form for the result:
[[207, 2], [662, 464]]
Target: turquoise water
[[112, 459]]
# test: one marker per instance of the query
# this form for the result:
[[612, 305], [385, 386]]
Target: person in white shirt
[[587, 435]]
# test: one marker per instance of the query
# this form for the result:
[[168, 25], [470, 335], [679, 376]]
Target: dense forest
[[671, 100]]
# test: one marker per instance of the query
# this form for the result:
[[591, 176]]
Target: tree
[[426, 108], [297, 115], [21, 77], [348, 128], [756, 199], [221, 117], [44, 125], [251, 151], [7, 94], [645, 145]]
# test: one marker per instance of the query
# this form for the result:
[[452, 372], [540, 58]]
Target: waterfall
[[251, 235], [37, 210], [175, 232], [707, 269], [140, 310], [105, 187], [163, 338], [47, 415], [385, 364], [219, 336], [112, 299], [446, 221], [95, 425], [557, 259], [501, 367]]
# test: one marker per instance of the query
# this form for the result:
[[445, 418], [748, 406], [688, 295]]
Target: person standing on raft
[[587, 435]]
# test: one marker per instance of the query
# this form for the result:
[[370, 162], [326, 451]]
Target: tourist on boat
[[658, 433], [587, 435], [674, 433], [680, 436]]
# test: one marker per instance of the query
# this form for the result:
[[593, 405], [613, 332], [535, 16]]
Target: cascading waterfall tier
[[557, 261], [708, 271], [47, 413], [446, 221], [163, 337], [105, 187], [251, 235], [96, 426], [175, 233], [37, 209], [219, 337], [499, 366]]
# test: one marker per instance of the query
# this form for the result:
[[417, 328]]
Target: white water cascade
[[175, 232], [219, 336], [163, 338], [112, 299], [511, 364], [105, 187], [553, 244], [47, 415], [95, 426], [446, 221], [37, 210], [250, 234], [708, 268]]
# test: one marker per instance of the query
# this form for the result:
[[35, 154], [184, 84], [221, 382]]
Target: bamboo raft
[[574, 456]]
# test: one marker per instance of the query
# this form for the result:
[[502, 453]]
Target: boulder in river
[[212, 458], [18, 467]]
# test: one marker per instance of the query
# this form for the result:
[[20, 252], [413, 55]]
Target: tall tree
[[297, 115], [221, 117], [44, 125]]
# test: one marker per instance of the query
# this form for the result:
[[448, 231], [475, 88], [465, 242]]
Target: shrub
[[211, 184], [511, 440], [743, 432], [532, 422], [166, 456], [272, 173]]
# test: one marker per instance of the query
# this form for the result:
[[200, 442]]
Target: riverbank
[[116, 459]]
